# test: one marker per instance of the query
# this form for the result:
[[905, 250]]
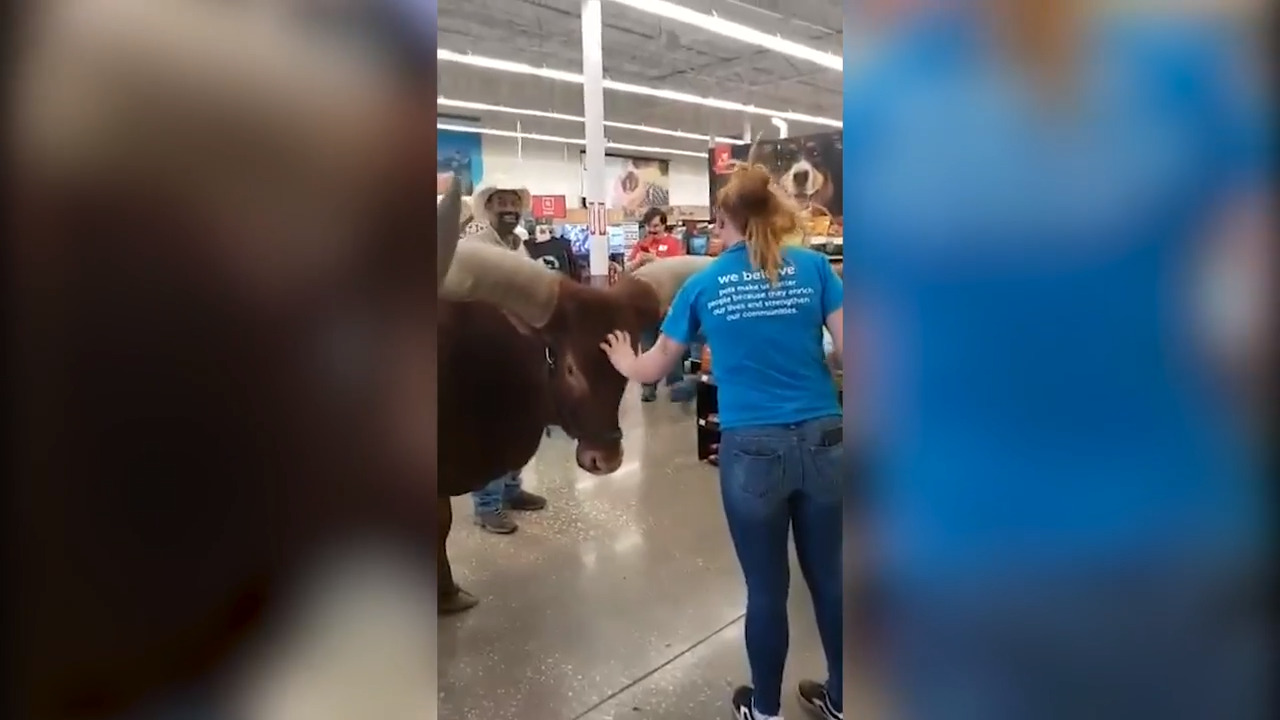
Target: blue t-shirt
[[766, 339], [1023, 276]]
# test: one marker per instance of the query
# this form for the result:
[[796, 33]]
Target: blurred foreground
[[1061, 275], [223, 357]]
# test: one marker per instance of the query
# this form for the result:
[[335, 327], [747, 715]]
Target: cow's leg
[[452, 599]]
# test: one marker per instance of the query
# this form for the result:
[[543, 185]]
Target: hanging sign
[[630, 234], [597, 218], [549, 206], [722, 159]]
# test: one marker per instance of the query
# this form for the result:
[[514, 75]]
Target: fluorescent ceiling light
[[468, 105], [566, 141], [672, 95], [729, 29]]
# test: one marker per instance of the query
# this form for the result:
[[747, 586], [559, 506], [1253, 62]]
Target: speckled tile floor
[[622, 599]]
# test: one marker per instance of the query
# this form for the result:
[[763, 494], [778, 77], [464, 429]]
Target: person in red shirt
[[658, 243]]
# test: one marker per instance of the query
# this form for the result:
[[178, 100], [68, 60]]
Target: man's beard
[[505, 222]]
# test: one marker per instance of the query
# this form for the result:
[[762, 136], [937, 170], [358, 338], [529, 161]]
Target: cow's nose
[[598, 462]]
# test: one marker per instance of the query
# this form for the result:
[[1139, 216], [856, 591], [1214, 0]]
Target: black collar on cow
[[566, 421]]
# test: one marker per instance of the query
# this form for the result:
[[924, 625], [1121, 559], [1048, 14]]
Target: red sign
[[597, 218], [549, 206], [722, 159]]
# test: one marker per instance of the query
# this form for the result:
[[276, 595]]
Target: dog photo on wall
[[808, 168]]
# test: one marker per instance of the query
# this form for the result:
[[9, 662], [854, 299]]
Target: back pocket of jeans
[[828, 467], [754, 473]]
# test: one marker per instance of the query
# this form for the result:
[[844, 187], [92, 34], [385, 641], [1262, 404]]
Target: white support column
[[593, 110]]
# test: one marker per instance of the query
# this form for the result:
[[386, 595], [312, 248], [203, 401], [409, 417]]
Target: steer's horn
[[666, 276], [753, 155], [523, 287], [448, 226]]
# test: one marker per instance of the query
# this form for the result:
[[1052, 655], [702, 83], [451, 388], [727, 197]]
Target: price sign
[[549, 206]]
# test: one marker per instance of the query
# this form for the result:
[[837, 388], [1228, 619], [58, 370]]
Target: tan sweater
[[489, 236]]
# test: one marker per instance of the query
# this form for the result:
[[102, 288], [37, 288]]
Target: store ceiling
[[643, 49]]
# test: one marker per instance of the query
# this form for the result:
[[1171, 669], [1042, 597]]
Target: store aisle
[[622, 600]]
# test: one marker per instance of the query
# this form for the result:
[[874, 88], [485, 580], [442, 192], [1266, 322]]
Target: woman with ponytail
[[762, 305], [1068, 507]]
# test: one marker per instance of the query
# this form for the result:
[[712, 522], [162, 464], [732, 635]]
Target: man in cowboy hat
[[501, 204]]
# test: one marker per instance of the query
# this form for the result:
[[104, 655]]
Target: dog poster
[[635, 184], [808, 168]]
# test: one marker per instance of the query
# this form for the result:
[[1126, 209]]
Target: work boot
[[496, 521], [455, 601], [525, 501]]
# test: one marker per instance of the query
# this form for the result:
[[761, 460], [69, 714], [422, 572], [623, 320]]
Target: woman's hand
[[617, 346]]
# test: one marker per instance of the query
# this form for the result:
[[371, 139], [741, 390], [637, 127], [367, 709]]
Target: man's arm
[[633, 253]]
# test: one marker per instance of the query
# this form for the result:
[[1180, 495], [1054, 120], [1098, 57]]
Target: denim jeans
[[490, 497], [775, 480]]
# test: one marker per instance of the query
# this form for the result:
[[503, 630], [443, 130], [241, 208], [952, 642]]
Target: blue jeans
[[1136, 641], [774, 480], [490, 497]]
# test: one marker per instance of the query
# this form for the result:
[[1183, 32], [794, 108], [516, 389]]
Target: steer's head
[[571, 320]]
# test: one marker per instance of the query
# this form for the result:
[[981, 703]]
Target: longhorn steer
[[518, 350]]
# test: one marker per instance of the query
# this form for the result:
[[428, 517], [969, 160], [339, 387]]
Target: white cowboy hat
[[480, 197]]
